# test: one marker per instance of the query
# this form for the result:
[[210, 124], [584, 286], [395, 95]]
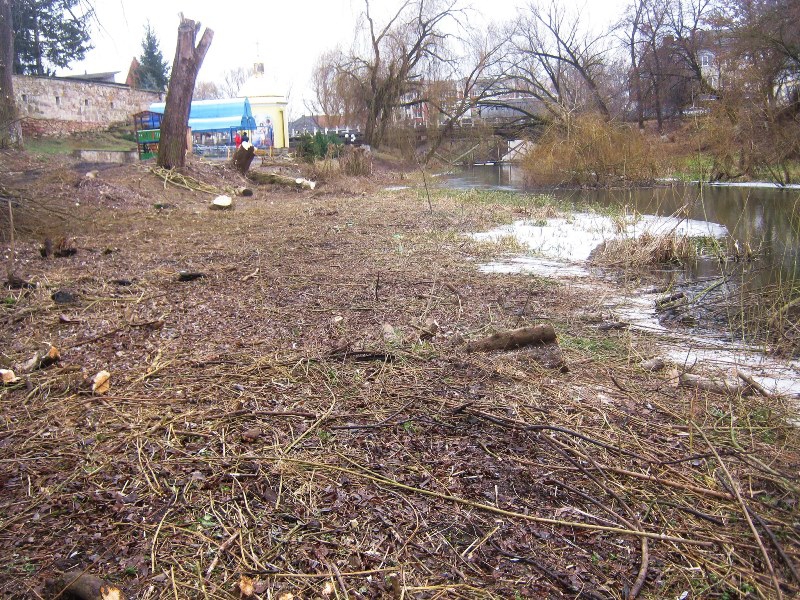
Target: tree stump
[[243, 156], [188, 59], [10, 128]]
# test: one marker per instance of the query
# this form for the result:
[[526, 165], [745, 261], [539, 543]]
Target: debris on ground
[[305, 424]]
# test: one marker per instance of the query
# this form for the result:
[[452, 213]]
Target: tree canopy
[[153, 70], [49, 34]]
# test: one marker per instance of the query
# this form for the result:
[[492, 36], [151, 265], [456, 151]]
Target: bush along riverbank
[[589, 151]]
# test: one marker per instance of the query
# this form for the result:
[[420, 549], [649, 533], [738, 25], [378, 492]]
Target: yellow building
[[269, 111]]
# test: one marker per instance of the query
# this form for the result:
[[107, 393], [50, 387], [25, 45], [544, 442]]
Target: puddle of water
[[753, 184], [724, 356], [561, 246], [639, 311], [574, 238]]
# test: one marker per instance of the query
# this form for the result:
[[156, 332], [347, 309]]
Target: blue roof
[[217, 115]]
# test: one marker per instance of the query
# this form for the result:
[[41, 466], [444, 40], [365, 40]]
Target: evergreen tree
[[153, 71], [49, 34]]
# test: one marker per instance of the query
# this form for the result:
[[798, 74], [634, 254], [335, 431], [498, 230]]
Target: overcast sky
[[288, 35]]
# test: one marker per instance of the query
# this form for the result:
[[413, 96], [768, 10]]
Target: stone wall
[[55, 106]]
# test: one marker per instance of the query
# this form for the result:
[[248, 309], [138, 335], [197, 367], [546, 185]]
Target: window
[[24, 97], [705, 60], [86, 102], [112, 104], [58, 101]]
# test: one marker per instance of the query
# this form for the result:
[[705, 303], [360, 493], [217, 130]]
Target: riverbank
[[291, 419]]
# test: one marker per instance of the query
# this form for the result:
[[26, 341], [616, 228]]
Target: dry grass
[[262, 426], [591, 152], [325, 169], [356, 162], [646, 250]]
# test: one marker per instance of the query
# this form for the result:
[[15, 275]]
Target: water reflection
[[765, 220]]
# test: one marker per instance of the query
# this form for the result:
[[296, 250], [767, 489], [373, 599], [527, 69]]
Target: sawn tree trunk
[[10, 130], [188, 59]]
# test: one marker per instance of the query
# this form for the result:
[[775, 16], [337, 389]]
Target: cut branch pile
[[173, 177]]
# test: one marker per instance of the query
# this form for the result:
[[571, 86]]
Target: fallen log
[[274, 178], [717, 386], [515, 338], [82, 586]]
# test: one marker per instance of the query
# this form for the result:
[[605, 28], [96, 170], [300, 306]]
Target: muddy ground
[[293, 424]]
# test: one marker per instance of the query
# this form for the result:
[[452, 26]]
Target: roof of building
[[217, 115], [107, 77], [259, 88]]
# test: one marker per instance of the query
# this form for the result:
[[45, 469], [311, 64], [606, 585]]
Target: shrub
[[356, 162], [317, 146], [323, 170], [590, 151], [751, 141], [646, 250]]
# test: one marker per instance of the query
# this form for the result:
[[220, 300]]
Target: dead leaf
[[327, 588], [260, 586], [246, 586], [110, 593], [252, 434], [286, 596], [8, 376], [100, 382]]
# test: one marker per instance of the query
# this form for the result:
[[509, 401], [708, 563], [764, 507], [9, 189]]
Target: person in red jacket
[[237, 139]]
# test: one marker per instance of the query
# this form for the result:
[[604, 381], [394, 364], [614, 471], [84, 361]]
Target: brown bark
[[515, 338], [243, 157], [10, 130], [82, 586], [188, 60]]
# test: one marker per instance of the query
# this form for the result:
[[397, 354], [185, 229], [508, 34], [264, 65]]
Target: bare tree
[[332, 97], [554, 58], [472, 78], [188, 60], [687, 21], [769, 33], [655, 58], [631, 27], [388, 61], [206, 90], [232, 81], [10, 130], [754, 127]]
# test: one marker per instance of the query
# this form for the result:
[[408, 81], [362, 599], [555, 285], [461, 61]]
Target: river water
[[758, 227], [765, 220]]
